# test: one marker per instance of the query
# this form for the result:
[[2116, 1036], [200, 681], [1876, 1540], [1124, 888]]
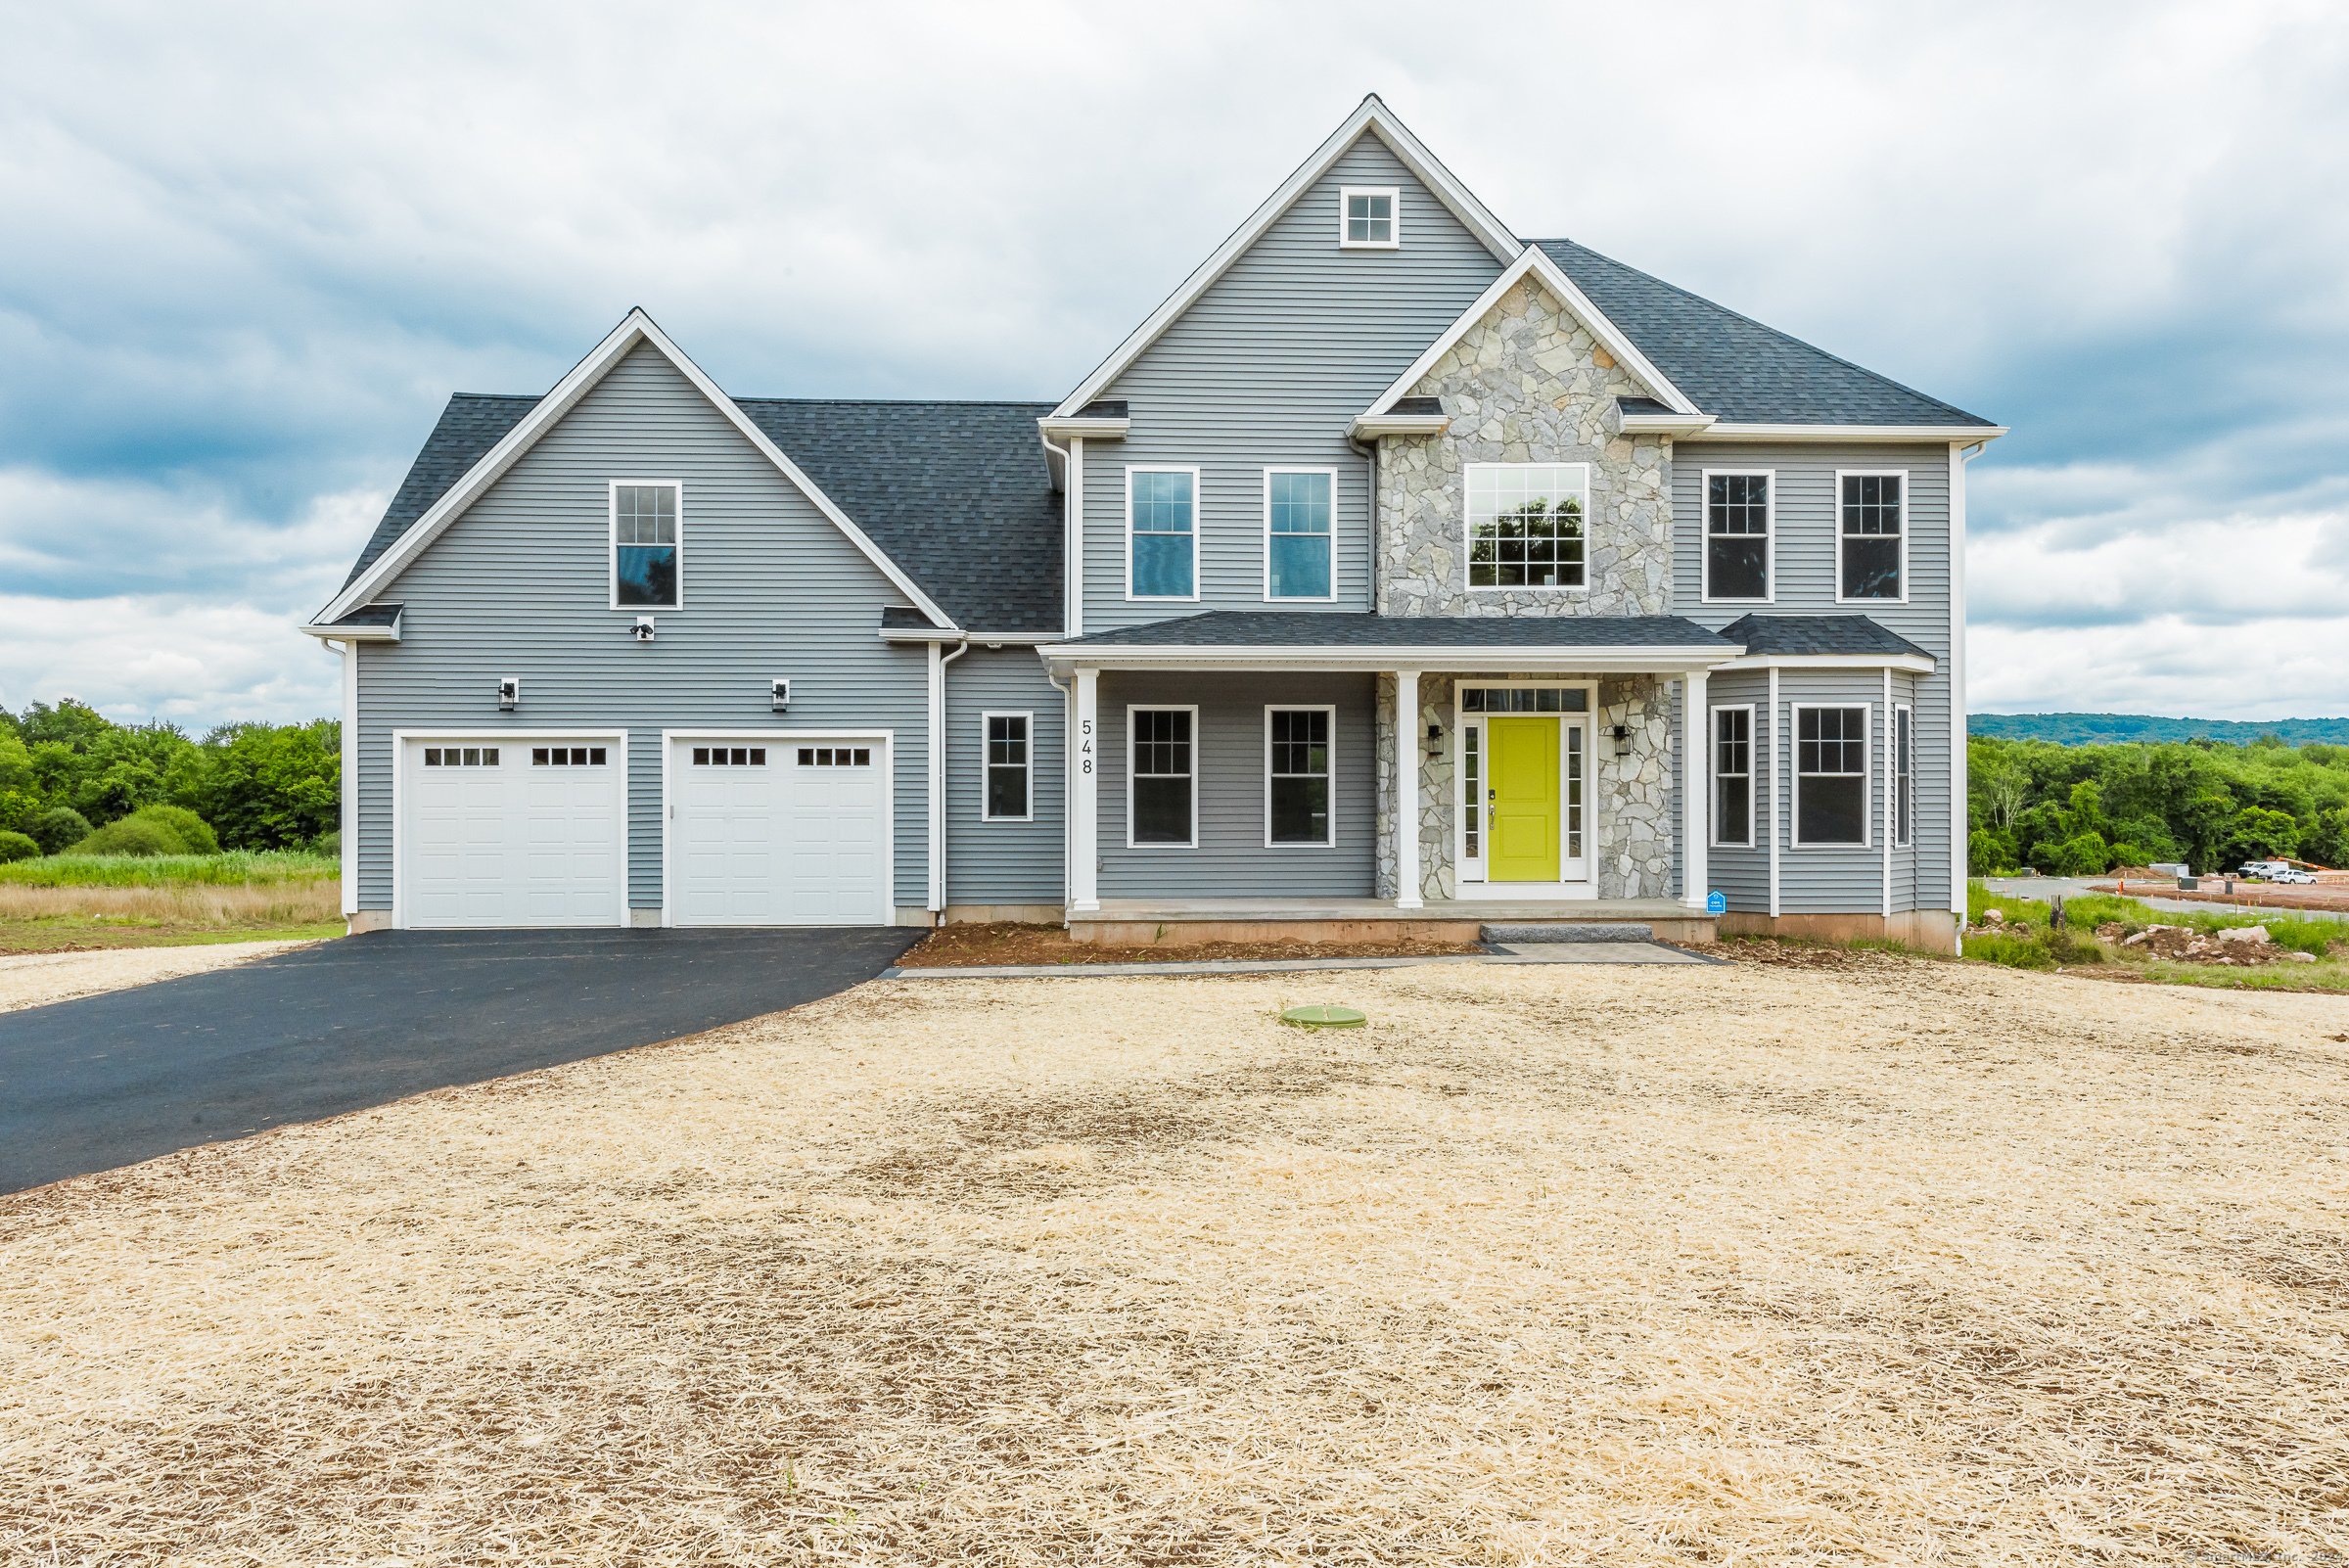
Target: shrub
[[329, 845], [17, 847], [1988, 852], [185, 825], [54, 831], [132, 835], [2000, 947]]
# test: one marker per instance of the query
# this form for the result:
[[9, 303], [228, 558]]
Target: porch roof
[[1294, 639]]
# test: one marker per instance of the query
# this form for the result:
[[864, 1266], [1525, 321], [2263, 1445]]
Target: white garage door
[[500, 834], [777, 832]]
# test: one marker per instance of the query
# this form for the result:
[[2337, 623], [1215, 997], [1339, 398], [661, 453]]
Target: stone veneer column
[[1407, 790]]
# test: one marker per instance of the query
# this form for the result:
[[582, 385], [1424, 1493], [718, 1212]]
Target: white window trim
[[1892, 765], [1393, 196], [1586, 886], [987, 764], [1867, 774], [1133, 708], [1331, 597], [1908, 520], [1468, 536], [1331, 842], [1753, 742], [1197, 521], [612, 538], [1770, 544]]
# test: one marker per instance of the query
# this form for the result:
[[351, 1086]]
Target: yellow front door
[[1522, 781]]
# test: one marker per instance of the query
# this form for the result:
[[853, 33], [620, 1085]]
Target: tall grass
[[236, 868], [258, 905], [2038, 948]]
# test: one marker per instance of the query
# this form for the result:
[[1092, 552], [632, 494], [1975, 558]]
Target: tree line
[[2079, 810], [68, 770]]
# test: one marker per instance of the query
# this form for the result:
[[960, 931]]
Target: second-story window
[[644, 546], [1525, 524], [1870, 548], [1162, 539], [1296, 533], [1737, 536]]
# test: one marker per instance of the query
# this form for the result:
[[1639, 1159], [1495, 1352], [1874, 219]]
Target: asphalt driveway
[[111, 1080]]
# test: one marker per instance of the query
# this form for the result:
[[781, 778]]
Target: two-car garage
[[532, 829]]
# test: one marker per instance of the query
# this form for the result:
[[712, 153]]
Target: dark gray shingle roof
[[470, 424], [370, 615], [1262, 628], [957, 494], [1768, 636], [1735, 367]]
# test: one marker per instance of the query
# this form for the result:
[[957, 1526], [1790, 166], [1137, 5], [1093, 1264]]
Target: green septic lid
[[1325, 1015]]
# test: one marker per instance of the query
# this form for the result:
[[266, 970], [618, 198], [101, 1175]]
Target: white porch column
[[1085, 799], [1697, 791], [1407, 790]]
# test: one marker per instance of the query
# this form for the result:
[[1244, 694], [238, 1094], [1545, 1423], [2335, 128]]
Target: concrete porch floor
[[1190, 922]]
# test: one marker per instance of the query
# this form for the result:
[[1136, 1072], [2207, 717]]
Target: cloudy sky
[[253, 247]]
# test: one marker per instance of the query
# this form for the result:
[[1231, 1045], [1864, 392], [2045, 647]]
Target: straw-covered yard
[[1896, 1262]]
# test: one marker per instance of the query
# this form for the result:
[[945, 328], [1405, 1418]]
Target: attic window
[[644, 544], [1368, 218]]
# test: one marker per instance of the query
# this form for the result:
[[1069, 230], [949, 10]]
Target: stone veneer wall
[[1630, 796], [1527, 385]]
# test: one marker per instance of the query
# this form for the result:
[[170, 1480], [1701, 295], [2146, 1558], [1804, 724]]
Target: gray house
[[1395, 574]]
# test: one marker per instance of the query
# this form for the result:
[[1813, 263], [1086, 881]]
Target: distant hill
[[2111, 729]]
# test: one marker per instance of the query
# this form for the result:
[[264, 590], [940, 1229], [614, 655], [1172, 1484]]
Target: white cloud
[[135, 657], [2162, 665]]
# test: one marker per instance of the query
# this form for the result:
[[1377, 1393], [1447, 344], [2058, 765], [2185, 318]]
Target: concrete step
[[1592, 932]]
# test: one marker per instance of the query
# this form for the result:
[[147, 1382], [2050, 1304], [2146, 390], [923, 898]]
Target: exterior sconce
[[509, 693], [642, 631], [1623, 739], [782, 696]]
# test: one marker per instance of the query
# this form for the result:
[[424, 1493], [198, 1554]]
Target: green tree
[[273, 786], [2264, 835]]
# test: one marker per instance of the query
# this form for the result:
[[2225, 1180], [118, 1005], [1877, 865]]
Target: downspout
[[938, 775], [346, 814], [1958, 783], [1072, 520], [1370, 456]]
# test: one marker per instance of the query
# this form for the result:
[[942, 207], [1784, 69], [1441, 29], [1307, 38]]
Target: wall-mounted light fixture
[[642, 631], [782, 696], [1623, 739], [509, 692]]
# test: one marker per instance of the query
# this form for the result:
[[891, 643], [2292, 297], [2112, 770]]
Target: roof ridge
[[1776, 332]]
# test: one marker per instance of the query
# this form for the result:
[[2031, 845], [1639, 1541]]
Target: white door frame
[[771, 738], [1584, 887], [615, 739]]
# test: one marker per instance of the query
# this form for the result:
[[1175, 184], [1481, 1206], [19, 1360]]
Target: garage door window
[[836, 757], [729, 757], [567, 755], [460, 757]]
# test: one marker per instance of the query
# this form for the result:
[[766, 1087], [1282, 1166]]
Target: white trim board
[[583, 378], [1370, 115], [1535, 260]]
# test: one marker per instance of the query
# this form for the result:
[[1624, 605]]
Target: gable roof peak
[[1371, 116]]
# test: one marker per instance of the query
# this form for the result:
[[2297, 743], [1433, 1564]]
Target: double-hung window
[[1525, 524], [1871, 545], [1830, 775], [645, 526], [1007, 768], [1298, 503], [1368, 218], [1732, 775], [1163, 810], [1737, 536], [1162, 539], [1297, 776], [1904, 777]]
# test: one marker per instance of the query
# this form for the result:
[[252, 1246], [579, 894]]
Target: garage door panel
[[505, 841], [778, 842]]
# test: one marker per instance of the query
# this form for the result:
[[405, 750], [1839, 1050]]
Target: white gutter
[[1724, 431], [1652, 659], [1068, 783], [937, 770]]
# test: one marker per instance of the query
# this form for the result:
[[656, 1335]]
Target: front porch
[[1193, 922]]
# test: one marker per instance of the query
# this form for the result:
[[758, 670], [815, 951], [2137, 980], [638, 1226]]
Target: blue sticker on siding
[[1717, 903]]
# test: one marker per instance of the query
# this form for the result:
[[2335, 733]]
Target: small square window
[[1368, 217]]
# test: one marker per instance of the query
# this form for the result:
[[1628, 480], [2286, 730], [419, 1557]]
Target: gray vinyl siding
[[1265, 370], [1741, 874], [1804, 584], [1831, 878], [1231, 859], [520, 585], [1004, 863]]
